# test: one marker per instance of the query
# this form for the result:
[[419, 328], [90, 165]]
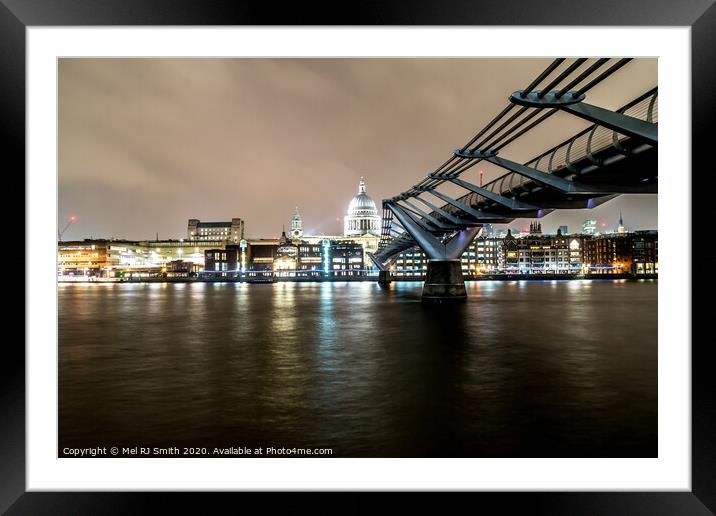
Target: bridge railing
[[586, 144]]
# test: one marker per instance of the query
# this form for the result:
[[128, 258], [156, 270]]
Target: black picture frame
[[17, 15]]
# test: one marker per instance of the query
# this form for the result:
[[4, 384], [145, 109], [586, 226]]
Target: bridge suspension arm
[[624, 124], [435, 222], [478, 214], [431, 245], [452, 218], [512, 204]]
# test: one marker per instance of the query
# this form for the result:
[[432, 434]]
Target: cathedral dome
[[362, 216], [362, 204]]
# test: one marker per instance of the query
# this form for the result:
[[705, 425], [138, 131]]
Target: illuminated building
[[83, 258], [302, 259], [608, 254], [260, 255], [510, 249], [361, 226], [310, 259], [362, 216], [163, 251], [232, 231], [589, 227], [181, 269], [621, 229], [296, 225], [286, 260], [127, 259], [541, 254], [368, 242], [222, 262], [576, 261], [411, 263], [345, 259], [484, 255], [645, 252], [635, 253]]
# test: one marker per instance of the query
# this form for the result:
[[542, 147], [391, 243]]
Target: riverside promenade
[[374, 278]]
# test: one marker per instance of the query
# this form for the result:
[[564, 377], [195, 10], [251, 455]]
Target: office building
[[231, 231]]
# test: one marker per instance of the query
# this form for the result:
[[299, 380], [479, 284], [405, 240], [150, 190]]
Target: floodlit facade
[[296, 225], [128, 259], [231, 231]]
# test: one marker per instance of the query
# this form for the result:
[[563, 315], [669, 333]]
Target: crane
[[69, 223]]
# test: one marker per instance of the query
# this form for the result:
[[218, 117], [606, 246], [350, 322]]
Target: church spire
[[361, 185], [621, 229]]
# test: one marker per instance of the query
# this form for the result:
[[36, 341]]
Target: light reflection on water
[[553, 368]]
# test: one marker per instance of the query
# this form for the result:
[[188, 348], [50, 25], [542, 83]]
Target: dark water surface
[[551, 369]]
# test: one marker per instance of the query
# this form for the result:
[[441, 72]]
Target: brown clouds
[[146, 144]]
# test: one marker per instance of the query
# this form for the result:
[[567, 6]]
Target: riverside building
[[231, 231], [361, 225], [617, 253], [112, 258]]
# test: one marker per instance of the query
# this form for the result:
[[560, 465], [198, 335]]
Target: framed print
[[416, 250]]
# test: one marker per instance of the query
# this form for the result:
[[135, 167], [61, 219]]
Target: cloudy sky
[[145, 144]]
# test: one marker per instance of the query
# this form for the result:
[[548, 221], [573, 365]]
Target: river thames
[[522, 369]]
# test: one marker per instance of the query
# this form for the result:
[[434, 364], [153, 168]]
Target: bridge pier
[[384, 278], [444, 282]]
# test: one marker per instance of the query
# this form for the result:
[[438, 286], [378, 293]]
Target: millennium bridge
[[616, 154]]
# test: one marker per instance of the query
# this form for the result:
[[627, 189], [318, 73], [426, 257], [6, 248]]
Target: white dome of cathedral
[[362, 204], [362, 216]]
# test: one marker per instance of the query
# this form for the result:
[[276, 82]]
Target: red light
[[73, 218]]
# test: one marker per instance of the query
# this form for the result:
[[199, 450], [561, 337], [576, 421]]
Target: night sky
[[145, 144]]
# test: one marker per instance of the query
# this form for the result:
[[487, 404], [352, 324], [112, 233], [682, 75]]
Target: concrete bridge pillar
[[444, 282], [384, 278]]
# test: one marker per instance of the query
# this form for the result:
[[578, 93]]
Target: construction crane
[[69, 223]]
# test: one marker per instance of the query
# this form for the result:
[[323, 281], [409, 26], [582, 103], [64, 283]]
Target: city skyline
[[147, 144]]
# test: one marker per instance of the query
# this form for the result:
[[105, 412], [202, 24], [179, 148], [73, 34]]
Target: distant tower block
[[296, 225]]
